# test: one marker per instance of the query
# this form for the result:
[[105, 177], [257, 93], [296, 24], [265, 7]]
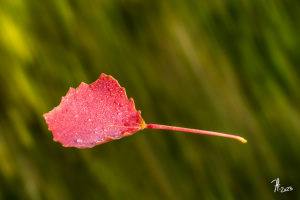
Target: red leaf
[[94, 114], [100, 112]]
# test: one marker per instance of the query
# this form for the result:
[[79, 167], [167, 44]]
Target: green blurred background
[[227, 66]]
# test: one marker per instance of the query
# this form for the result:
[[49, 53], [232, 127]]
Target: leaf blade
[[94, 114]]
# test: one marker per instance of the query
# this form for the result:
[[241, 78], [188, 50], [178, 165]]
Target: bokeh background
[[227, 66]]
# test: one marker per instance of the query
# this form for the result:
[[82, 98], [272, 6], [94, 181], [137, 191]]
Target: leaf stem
[[174, 128]]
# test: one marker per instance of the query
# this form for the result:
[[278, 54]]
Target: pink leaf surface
[[94, 114]]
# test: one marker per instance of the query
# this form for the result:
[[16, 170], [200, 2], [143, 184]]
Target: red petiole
[[174, 128]]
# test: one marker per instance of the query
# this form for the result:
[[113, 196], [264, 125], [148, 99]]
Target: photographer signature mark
[[281, 189]]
